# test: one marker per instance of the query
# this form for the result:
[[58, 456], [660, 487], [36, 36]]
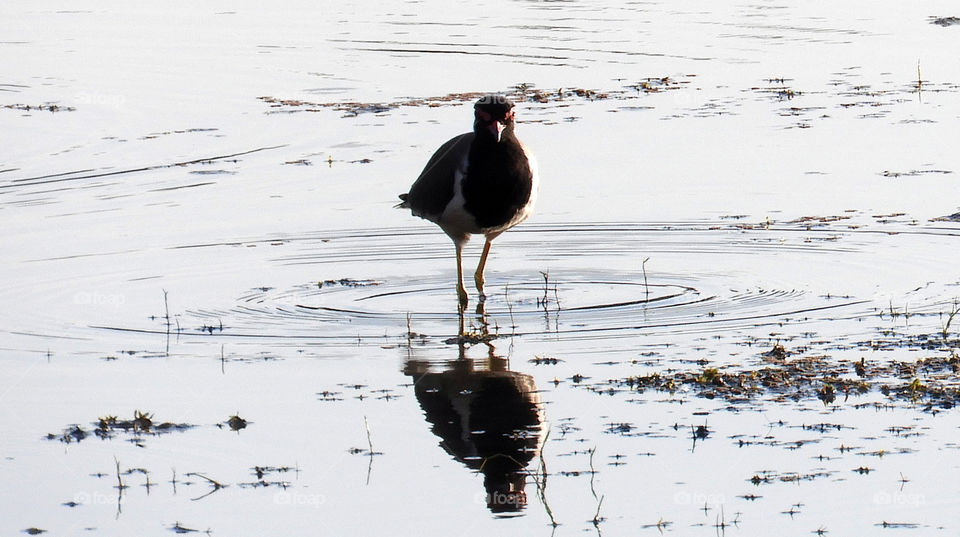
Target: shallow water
[[197, 206]]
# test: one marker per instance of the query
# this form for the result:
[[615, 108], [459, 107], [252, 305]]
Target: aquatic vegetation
[[813, 376], [236, 423], [109, 426]]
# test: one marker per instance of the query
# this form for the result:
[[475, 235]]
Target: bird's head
[[493, 114]]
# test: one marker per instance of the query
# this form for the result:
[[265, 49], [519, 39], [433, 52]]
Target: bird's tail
[[403, 203]]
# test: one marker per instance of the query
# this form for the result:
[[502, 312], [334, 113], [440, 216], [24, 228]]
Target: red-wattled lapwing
[[479, 183]]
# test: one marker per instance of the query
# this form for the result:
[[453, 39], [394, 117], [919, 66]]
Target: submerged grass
[[930, 381]]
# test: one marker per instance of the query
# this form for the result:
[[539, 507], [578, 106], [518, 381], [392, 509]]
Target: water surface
[[197, 205]]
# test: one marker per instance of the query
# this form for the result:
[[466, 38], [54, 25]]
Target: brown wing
[[433, 190]]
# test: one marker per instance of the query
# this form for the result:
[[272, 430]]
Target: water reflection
[[487, 417]]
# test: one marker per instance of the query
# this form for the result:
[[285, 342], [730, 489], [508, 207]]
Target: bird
[[478, 183]]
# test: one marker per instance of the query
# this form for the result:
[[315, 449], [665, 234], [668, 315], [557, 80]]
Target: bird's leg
[[482, 313], [478, 275], [461, 290]]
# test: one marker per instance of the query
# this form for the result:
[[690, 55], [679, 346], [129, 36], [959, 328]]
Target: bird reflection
[[487, 417]]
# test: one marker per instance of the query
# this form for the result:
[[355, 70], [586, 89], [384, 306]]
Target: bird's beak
[[496, 129]]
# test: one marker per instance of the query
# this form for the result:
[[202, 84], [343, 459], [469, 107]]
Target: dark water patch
[[180, 528], [141, 426], [805, 106], [181, 187], [944, 21], [46, 107], [848, 93], [523, 92], [778, 90], [555, 53], [766, 477], [155, 135], [81, 175], [928, 383], [955, 217], [211, 172], [12, 87], [330, 90], [265, 476], [914, 173], [348, 282]]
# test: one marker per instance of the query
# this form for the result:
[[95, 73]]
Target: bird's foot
[[479, 281], [462, 298]]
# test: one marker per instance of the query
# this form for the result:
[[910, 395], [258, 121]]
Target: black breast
[[498, 182]]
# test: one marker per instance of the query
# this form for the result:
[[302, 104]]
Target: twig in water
[[542, 482], [369, 440], [147, 483], [597, 519], [592, 473], [506, 298], [216, 485], [166, 316], [409, 330], [596, 516], [371, 452], [120, 484], [546, 289], [643, 265], [721, 521], [120, 487], [166, 307], [953, 313]]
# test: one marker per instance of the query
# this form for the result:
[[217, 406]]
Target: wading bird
[[479, 183]]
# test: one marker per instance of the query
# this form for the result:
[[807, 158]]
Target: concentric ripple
[[597, 281], [549, 282]]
